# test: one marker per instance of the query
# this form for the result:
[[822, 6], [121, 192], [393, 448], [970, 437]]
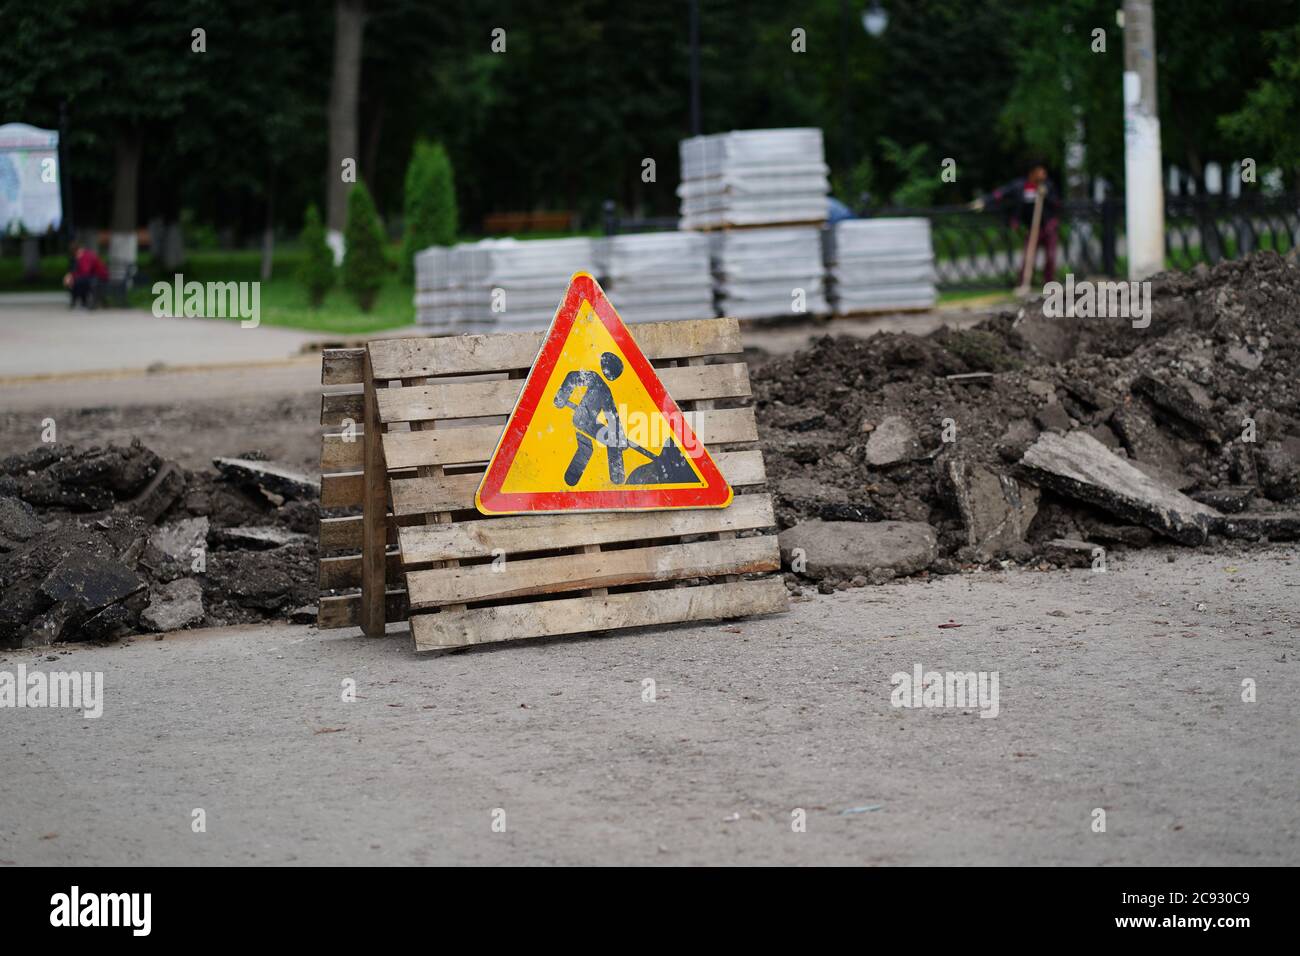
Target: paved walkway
[[46, 338]]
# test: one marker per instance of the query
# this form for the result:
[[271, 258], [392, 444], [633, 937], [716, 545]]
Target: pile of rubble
[[97, 542], [1043, 441]]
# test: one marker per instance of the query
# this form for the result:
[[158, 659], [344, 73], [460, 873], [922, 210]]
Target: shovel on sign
[[669, 467]]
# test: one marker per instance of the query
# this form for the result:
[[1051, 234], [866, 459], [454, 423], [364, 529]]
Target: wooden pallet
[[747, 226], [342, 461], [433, 409]]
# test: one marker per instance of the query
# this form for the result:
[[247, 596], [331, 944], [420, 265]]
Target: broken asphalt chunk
[[271, 480], [1080, 467]]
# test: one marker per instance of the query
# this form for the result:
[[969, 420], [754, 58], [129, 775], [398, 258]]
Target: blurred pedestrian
[[86, 277], [1019, 197]]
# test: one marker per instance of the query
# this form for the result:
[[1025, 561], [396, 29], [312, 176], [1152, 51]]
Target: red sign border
[[491, 500]]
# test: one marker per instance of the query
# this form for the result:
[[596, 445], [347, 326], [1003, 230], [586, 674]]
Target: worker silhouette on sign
[[597, 400]]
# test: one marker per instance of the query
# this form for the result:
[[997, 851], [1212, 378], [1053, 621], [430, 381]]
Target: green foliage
[[364, 261], [1269, 122], [1208, 56], [917, 177], [948, 68], [316, 271], [861, 182], [430, 204], [1066, 85], [589, 88]]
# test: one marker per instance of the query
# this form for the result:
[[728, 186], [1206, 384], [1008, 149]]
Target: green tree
[[317, 270], [430, 204], [913, 171], [1269, 122], [364, 262], [1067, 85]]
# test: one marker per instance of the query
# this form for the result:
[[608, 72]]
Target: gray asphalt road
[[1120, 691], [50, 338]]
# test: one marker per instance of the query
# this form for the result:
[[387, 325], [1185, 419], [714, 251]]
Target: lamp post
[[695, 68], [874, 21]]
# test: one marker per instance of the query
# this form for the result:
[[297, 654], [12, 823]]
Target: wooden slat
[[476, 399], [456, 492], [374, 498], [345, 610], [341, 491], [344, 571], [339, 454], [575, 615], [501, 352], [336, 406], [593, 569], [340, 534], [341, 366], [344, 534], [708, 404], [458, 446], [522, 533]]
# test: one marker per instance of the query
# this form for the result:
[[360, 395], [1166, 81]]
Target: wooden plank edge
[[528, 577], [448, 629], [344, 610]]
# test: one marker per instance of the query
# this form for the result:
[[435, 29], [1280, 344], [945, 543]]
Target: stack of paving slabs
[[769, 273], [753, 177], [437, 303], [661, 276], [880, 265], [496, 284]]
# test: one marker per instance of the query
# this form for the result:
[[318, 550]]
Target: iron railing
[[982, 250]]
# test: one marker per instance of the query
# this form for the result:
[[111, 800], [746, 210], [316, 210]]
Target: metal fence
[[975, 250], [981, 250], [1212, 228]]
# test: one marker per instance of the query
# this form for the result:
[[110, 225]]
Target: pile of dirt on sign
[[96, 543], [1048, 441]]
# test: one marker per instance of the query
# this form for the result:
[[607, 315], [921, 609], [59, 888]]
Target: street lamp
[[875, 19]]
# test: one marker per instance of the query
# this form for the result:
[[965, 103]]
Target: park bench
[[118, 290], [400, 536], [498, 223]]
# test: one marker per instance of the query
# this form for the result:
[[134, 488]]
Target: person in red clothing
[[87, 276], [1017, 197]]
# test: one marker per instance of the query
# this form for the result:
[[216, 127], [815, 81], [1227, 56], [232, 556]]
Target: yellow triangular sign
[[594, 429]]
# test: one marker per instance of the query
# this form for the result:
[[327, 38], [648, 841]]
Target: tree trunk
[[345, 84], [374, 135], [31, 258], [268, 230], [173, 246], [126, 181]]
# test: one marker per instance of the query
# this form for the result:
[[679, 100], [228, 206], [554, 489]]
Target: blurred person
[[1018, 197], [87, 276]]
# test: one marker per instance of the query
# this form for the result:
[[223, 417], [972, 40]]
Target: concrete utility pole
[[1143, 183]]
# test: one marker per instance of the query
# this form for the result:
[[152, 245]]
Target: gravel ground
[[1119, 690]]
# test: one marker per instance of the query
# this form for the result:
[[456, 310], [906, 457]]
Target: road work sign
[[594, 429]]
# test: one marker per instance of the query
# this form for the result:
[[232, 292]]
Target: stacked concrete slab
[[762, 193], [498, 284], [753, 177], [659, 276], [769, 273], [880, 264], [437, 301]]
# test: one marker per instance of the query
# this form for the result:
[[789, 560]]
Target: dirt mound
[[104, 541], [1204, 400]]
